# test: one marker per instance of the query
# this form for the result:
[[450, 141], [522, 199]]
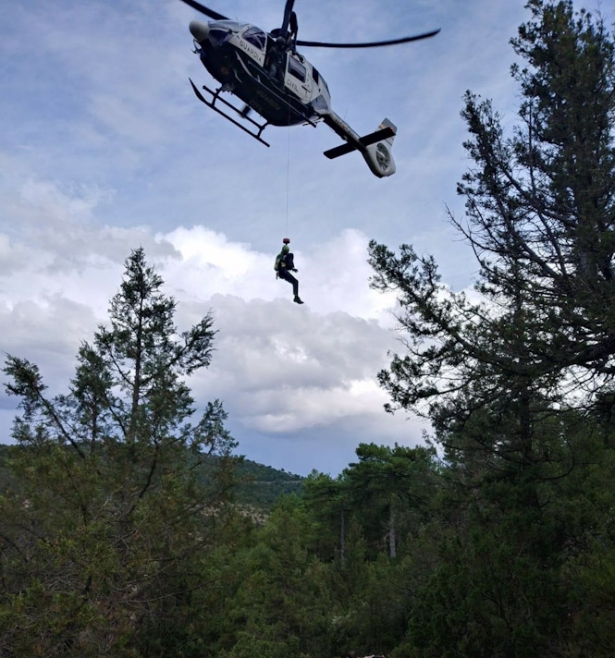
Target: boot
[[297, 300]]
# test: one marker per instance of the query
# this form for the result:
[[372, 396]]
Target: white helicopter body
[[266, 72]]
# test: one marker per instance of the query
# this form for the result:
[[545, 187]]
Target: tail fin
[[375, 149], [378, 155]]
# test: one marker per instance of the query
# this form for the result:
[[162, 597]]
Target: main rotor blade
[[371, 44], [287, 10], [205, 10]]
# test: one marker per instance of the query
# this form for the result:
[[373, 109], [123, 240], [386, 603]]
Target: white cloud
[[280, 368], [104, 148]]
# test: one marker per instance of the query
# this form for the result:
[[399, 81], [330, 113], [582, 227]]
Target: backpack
[[284, 262]]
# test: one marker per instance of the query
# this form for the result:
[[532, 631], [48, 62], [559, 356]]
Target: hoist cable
[[287, 178], [287, 162]]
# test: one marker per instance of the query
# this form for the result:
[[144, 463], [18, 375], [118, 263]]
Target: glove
[[295, 269]]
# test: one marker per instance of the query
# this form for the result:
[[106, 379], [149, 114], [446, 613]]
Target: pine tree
[[389, 490], [518, 385], [540, 219], [119, 496]]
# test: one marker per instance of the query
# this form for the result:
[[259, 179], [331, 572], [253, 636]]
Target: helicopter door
[[296, 78]]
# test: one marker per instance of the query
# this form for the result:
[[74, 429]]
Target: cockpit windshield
[[256, 37], [221, 31]]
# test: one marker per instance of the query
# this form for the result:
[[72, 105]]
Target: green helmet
[[285, 249]]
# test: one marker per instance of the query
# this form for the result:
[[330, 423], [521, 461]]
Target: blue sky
[[104, 148]]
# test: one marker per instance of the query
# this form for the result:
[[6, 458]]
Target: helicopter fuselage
[[278, 83], [266, 72]]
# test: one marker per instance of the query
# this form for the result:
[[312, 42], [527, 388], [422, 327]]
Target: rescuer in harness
[[284, 265]]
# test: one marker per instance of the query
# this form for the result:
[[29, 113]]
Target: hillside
[[262, 485], [259, 485]]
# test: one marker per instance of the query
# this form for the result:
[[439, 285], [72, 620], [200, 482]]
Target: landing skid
[[215, 98]]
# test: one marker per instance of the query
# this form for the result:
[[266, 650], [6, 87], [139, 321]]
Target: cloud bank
[[287, 374]]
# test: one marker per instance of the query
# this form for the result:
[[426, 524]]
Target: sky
[[104, 148]]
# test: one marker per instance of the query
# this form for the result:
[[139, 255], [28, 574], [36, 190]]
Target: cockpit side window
[[256, 37], [218, 35], [296, 68], [315, 75]]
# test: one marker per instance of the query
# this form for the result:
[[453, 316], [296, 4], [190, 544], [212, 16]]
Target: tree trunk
[[392, 537], [343, 537]]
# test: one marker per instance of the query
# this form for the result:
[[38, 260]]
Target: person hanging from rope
[[284, 265]]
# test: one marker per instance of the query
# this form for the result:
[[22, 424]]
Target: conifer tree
[[540, 220], [390, 489], [516, 377], [119, 495]]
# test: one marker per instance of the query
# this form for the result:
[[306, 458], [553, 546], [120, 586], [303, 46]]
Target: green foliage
[[281, 601], [518, 385], [110, 514], [391, 487], [539, 218], [118, 535], [5, 473], [260, 486]]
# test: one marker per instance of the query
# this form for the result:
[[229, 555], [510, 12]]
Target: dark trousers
[[287, 276]]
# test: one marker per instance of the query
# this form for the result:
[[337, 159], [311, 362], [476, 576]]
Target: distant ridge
[[261, 485], [258, 485]]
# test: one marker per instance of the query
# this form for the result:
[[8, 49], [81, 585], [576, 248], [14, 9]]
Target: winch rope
[[288, 130]]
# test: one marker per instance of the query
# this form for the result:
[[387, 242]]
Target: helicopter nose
[[199, 30]]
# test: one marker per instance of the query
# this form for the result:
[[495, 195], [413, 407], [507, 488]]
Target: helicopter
[[267, 73]]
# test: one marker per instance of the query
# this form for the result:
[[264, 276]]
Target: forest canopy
[[127, 527]]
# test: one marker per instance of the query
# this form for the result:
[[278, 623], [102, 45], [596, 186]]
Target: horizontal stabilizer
[[340, 150], [372, 138]]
